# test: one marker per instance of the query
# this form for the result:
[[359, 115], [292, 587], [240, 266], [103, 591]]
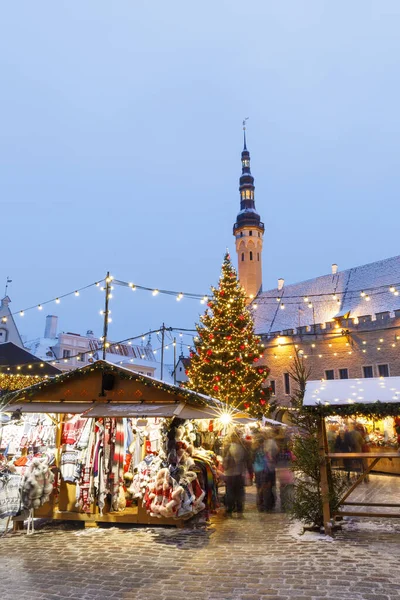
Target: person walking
[[235, 462], [264, 474]]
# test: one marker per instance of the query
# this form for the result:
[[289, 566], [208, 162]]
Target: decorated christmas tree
[[225, 360]]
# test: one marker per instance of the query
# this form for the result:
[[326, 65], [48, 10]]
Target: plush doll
[[37, 484]]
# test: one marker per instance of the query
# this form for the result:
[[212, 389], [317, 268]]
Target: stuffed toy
[[37, 484]]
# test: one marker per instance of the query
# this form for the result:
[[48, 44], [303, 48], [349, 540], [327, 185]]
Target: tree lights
[[226, 350]]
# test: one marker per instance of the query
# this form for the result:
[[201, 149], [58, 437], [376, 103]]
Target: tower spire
[[248, 229], [244, 132]]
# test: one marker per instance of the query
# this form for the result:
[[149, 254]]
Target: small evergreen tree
[[226, 354], [307, 498]]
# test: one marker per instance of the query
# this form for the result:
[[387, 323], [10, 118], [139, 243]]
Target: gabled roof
[[178, 394], [348, 284], [12, 356]]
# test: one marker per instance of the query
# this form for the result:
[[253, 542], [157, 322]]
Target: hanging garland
[[377, 410]]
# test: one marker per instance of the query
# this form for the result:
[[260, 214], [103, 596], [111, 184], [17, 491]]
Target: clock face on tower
[[246, 162]]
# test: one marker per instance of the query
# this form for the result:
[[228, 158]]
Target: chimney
[[281, 283], [51, 327], [334, 269]]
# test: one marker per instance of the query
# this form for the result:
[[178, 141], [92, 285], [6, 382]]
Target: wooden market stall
[[351, 399], [104, 391]]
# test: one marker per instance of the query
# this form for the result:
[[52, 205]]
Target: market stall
[[358, 429], [105, 444]]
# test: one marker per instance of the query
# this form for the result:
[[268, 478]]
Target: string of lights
[[57, 299], [334, 295]]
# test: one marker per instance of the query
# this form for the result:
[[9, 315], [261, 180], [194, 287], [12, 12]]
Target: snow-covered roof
[[350, 391], [348, 284]]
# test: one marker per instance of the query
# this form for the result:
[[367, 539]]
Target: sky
[[121, 133]]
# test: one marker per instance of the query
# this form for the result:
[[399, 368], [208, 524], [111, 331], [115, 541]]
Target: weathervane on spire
[[244, 132], [8, 280]]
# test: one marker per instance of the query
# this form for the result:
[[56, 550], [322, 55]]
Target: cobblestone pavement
[[256, 558]]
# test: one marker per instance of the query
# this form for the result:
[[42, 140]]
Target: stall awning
[[181, 410], [73, 408], [351, 391]]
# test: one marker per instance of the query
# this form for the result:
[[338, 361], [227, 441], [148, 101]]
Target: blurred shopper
[[235, 468], [264, 474]]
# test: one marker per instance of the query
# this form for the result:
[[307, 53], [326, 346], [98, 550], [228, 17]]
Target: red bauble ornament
[[209, 352], [255, 359], [211, 336], [241, 317], [238, 359], [246, 405], [222, 293], [206, 360], [209, 304], [228, 337], [242, 347], [217, 378], [261, 371], [243, 388], [191, 355], [262, 401], [215, 388], [233, 372], [186, 372]]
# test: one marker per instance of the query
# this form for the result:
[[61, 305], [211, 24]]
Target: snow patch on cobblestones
[[296, 531]]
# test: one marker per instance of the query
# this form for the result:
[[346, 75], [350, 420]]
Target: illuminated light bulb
[[312, 345], [350, 352], [278, 299], [76, 293], [296, 345], [367, 298], [29, 366], [282, 307], [97, 283], [116, 347], [362, 294], [108, 279], [378, 348], [111, 287], [181, 334], [392, 289], [4, 320], [90, 355], [251, 296], [18, 368], [179, 296], [65, 360], [133, 288], [310, 305], [397, 337], [320, 355], [143, 337], [381, 340], [21, 313], [40, 307], [335, 354], [334, 297], [396, 293], [41, 364], [255, 306], [154, 351], [174, 343], [107, 344], [143, 356], [101, 312], [364, 350], [102, 289], [393, 345], [306, 356], [364, 342], [330, 345], [109, 320], [155, 292], [305, 299], [225, 418], [110, 296]]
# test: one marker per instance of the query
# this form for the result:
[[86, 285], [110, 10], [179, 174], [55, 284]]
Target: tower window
[[251, 255], [250, 233], [286, 381], [243, 194], [241, 234], [242, 256], [248, 194], [258, 256], [246, 162], [259, 234]]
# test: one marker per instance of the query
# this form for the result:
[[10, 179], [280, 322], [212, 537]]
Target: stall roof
[[83, 385], [338, 392]]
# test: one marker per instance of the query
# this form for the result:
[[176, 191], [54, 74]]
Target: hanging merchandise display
[[82, 461]]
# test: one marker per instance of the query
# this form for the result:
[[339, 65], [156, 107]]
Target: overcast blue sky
[[121, 139]]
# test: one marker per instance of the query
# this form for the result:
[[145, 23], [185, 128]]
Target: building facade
[[8, 329], [345, 324]]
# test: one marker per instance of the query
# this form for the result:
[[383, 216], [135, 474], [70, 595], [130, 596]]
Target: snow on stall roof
[[349, 391], [270, 318]]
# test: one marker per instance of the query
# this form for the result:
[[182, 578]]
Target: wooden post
[[323, 451], [106, 314]]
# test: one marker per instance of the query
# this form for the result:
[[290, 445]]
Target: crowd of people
[[254, 459]]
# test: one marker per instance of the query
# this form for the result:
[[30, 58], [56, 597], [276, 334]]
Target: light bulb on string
[[305, 299], [4, 320], [155, 292], [278, 299], [76, 293], [21, 313], [40, 307], [282, 307], [334, 297], [179, 297], [392, 289], [362, 294], [310, 305], [367, 298], [57, 300]]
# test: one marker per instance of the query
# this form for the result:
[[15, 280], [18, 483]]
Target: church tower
[[248, 231]]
